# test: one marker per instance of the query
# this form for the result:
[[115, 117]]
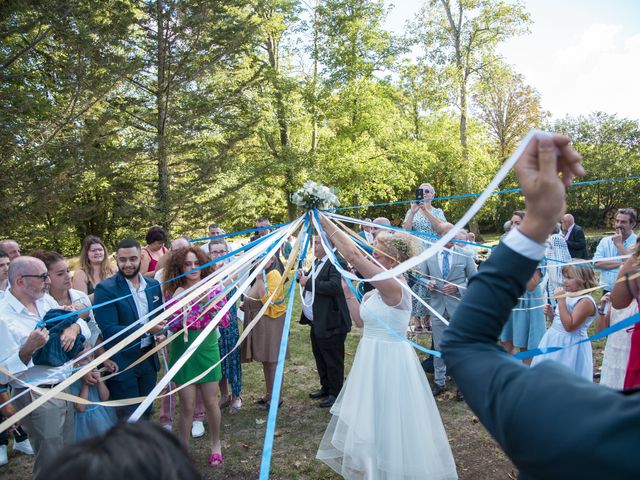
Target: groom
[[325, 309]]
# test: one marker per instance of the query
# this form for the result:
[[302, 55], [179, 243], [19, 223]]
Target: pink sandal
[[215, 460]]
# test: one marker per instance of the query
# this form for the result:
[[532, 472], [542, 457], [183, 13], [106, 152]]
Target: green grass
[[301, 425]]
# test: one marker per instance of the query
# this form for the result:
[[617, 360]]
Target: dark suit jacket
[[577, 243], [330, 311], [551, 423], [118, 315]]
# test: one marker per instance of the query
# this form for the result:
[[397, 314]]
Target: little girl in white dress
[[571, 319], [385, 422]]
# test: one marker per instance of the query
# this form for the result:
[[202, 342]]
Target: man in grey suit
[[551, 423], [448, 270]]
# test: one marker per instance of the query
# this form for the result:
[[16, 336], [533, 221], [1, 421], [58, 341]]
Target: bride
[[385, 423]]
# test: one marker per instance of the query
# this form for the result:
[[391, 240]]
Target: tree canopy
[[119, 115]]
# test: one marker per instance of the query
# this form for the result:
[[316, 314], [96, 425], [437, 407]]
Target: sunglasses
[[42, 276]]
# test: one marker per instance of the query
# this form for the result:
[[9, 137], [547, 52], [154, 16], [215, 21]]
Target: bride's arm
[[352, 303], [390, 290]]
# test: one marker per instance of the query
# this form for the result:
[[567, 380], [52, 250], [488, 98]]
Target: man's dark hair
[[128, 243], [519, 213], [628, 211], [213, 225], [263, 219], [156, 234], [3, 254], [129, 451]]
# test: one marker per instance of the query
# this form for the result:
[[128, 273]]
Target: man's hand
[[302, 278], [450, 289], [544, 170], [68, 337], [617, 239], [37, 339], [110, 366], [158, 328]]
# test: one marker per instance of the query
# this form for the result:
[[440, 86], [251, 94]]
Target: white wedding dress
[[385, 423]]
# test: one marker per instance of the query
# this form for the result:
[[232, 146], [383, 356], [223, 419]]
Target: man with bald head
[[11, 248], [448, 272], [25, 304], [574, 236]]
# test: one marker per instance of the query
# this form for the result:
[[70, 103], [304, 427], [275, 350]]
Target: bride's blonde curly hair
[[400, 246]]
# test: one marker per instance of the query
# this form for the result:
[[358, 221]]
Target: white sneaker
[[197, 429], [24, 447], [168, 427], [3, 455]]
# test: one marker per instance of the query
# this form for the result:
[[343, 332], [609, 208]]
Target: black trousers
[[329, 355], [19, 434]]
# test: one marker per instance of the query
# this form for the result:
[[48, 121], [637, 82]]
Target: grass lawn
[[301, 424]]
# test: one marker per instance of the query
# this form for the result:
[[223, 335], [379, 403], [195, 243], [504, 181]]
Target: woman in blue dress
[[526, 325], [231, 366]]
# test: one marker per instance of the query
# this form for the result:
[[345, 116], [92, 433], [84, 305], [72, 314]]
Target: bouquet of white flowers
[[313, 195]]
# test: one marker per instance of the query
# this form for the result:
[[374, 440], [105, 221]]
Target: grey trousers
[[439, 368], [51, 427]]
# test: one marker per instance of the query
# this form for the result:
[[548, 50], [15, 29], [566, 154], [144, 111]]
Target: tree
[[610, 149], [459, 38], [508, 106]]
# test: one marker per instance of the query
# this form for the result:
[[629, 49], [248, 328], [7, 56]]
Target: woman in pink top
[[188, 325], [154, 251]]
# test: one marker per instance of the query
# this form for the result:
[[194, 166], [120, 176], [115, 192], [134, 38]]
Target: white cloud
[[595, 69]]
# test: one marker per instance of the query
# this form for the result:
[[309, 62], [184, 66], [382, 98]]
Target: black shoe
[[427, 364], [459, 396], [318, 394], [327, 402], [437, 390]]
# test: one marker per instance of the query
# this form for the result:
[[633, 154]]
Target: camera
[[419, 194]]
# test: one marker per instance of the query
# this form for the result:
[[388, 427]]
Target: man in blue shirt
[[616, 245]]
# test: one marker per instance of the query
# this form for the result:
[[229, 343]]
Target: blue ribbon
[[267, 449], [219, 259], [626, 323], [241, 232], [472, 195]]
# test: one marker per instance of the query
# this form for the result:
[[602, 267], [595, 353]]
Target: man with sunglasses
[[25, 304]]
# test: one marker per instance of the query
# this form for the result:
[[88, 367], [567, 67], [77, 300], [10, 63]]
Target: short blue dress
[[526, 325], [96, 419]]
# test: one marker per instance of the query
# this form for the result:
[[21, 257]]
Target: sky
[[581, 55]]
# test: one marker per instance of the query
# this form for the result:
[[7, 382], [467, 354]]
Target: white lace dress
[[616, 350], [385, 422]]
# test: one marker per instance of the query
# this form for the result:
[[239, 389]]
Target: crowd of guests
[[143, 281], [54, 321]]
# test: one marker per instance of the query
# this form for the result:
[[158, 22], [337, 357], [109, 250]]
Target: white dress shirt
[[566, 235], [519, 242], [16, 324], [142, 305], [307, 305]]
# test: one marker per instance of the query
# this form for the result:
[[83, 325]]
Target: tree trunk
[[164, 207], [314, 99], [283, 126]]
